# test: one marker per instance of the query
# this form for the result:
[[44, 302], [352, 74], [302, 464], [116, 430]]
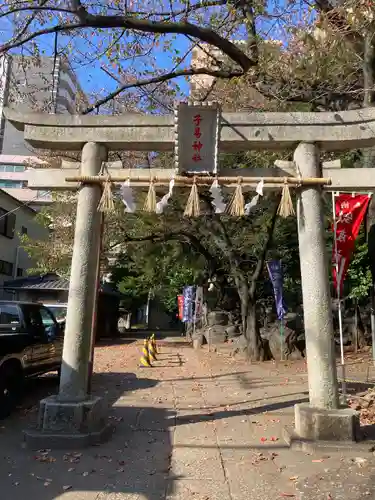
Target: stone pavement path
[[196, 426]]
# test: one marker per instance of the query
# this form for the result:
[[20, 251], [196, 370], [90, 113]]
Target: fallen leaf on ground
[[293, 478], [273, 438], [361, 462], [44, 459], [72, 458], [67, 487], [263, 439], [287, 495], [318, 460]]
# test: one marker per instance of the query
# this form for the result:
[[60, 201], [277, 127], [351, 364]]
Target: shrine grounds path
[[195, 426]]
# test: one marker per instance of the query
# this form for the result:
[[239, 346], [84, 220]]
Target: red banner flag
[[350, 211], [180, 302]]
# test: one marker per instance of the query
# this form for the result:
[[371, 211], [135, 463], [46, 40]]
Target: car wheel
[[11, 383]]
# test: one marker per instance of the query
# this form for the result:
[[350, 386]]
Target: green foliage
[[163, 269], [359, 278], [53, 255]]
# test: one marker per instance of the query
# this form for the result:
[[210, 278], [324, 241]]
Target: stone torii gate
[[75, 417]]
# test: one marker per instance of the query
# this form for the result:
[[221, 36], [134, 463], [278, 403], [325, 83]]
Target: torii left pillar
[[73, 418]]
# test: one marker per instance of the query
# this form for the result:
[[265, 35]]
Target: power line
[[22, 204]]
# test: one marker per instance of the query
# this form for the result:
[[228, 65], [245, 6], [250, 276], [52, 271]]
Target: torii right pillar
[[322, 419]]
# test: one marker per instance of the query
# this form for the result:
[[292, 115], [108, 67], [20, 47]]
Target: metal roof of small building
[[50, 281]]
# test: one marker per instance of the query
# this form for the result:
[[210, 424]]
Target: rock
[[239, 345], [347, 339], [294, 321], [232, 331], [217, 318], [198, 338], [197, 342], [216, 334], [290, 345], [361, 462], [370, 396]]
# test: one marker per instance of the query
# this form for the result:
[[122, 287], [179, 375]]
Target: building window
[[19, 272], [7, 223], [6, 268], [12, 168], [9, 184]]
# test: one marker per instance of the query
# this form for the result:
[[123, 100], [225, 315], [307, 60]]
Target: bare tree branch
[[54, 29], [78, 9], [21, 33], [87, 20], [163, 78]]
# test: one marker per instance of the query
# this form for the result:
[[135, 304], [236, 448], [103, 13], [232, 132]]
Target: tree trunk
[[255, 350], [361, 339], [355, 331]]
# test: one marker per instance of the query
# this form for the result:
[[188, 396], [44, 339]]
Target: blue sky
[[92, 78]]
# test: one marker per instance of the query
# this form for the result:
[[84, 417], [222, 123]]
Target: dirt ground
[[197, 425]]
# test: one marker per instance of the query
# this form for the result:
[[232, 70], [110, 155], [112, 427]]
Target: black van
[[31, 343]]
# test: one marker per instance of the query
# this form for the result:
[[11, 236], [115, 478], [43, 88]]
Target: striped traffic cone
[[151, 350], [145, 358], [154, 343]]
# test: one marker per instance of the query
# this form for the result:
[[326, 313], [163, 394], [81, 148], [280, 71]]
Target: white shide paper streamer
[[127, 197], [164, 201], [217, 197], [254, 200]]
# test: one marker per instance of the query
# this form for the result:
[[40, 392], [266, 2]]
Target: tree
[[162, 269], [121, 43], [127, 39], [162, 253], [316, 66]]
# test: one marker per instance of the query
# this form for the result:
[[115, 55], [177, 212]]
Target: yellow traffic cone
[[145, 358], [151, 350], [154, 343]]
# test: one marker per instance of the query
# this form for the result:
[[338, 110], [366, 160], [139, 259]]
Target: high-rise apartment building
[[27, 84]]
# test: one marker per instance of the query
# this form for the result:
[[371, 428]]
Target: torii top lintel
[[239, 131]]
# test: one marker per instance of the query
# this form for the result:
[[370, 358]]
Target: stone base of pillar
[[328, 429], [69, 424]]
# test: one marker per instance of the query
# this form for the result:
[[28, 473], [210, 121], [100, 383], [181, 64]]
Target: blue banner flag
[[275, 272], [189, 300]]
